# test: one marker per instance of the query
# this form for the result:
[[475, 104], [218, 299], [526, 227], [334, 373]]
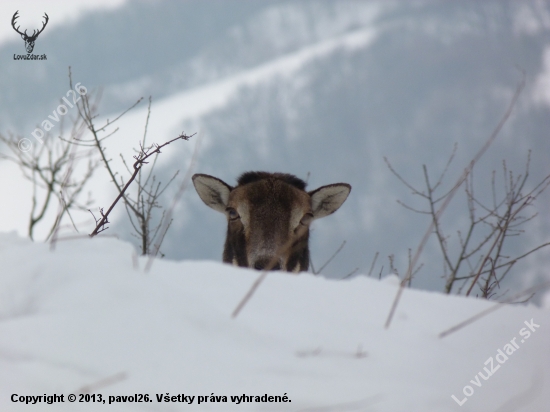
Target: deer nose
[[263, 263]]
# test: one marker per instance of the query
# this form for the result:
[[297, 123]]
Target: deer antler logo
[[29, 40]]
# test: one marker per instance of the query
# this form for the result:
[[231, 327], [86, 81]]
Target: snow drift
[[85, 318]]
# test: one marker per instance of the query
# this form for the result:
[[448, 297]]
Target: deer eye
[[306, 219], [232, 213]]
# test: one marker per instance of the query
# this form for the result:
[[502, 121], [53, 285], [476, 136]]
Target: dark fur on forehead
[[250, 177]]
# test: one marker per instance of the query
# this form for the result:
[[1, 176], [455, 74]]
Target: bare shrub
[[144, 201], [481, 259], [50, 167], [499, 235]]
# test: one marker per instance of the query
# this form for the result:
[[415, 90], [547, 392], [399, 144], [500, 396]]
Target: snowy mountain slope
[[163, 47], [180, 111], [412, 92], [189, 105], [323, 89], [274, 32], [84, 315]]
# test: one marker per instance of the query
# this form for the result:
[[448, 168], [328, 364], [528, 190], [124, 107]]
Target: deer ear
[[213, 191], [328, 199]]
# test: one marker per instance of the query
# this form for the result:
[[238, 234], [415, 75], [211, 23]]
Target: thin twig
[[140, 161], [498, 305], [108, 381], [250, 292], [330, 259], [280, 252], [353, 272], [372, 265], [495, 243], [183, 186]]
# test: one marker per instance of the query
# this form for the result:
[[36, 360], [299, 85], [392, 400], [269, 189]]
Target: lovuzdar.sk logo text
[[29, 40]]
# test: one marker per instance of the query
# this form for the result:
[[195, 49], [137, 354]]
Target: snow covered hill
[[84, 318]]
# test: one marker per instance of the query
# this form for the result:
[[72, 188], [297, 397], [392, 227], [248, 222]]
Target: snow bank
[[85, 317]]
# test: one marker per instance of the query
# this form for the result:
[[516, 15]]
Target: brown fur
[[268, 217]]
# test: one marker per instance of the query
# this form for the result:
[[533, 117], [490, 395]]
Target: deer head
[[268, 217], [29, 40]]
